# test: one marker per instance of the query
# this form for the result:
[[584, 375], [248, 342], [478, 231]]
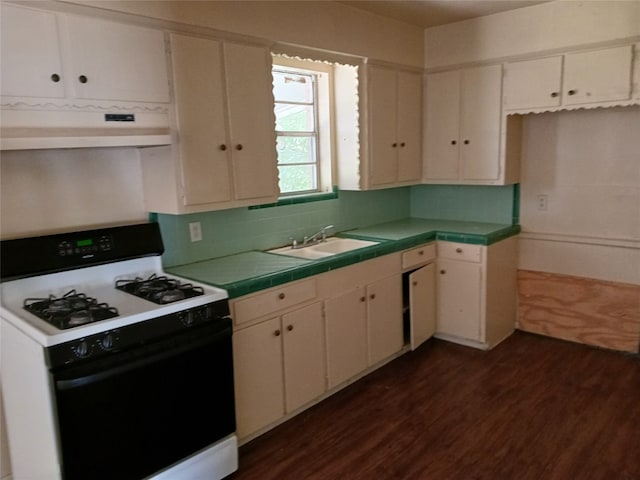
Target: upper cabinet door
[[598, 76], [409, 126], [251, 120], [481, 90], [533, 83], [442, 119], [112, 61], [31, 62], [382, 125]]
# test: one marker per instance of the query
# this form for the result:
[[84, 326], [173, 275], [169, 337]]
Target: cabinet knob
[[363, 299], [453, 142], [289, 328], [421, 252], [239, 146], [372, 296], [572, 92], [276, 333], [442, 272], [394, 145], [281, 296], [554, 94], [402, 144], [83, 79], [415, 283], [55, 78], [222, 147], [466, 142], [458, 250]]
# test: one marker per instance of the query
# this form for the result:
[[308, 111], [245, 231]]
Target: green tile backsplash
[[227, 232]]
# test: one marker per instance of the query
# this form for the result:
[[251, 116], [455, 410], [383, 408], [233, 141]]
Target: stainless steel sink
[[332, 246]]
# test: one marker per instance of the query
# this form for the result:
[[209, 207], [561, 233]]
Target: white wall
[[587, 163]]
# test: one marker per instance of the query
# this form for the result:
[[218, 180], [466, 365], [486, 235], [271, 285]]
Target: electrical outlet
[[541, 202], [195, 231]]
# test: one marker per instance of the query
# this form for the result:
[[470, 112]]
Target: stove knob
[[107, 342], [82, 349], [186, 318]]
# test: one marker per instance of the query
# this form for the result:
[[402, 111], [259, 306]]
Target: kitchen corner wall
[[227, 232]]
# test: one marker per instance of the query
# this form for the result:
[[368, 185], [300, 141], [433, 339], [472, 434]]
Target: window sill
[[294, 200]]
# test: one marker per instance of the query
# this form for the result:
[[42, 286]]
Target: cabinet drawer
[[273, 300], [460, 251], [418, 256]]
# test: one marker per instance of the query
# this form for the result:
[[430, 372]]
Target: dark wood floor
[[532, 408]]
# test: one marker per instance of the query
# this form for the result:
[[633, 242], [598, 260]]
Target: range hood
[[27, 129]]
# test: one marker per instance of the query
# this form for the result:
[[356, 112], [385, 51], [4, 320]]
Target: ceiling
[[429, 13]]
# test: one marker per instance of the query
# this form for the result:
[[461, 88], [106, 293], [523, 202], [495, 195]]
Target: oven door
[[134, 413]]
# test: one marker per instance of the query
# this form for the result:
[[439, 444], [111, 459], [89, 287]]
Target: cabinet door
[[442, 120], [533, 83], [252, 121], [409, 128], [346, 325], [30, 53], [459, 285], [200, 108], [382, 105], [422, 304], [384, 314], [481, 89], [118, 61], [598, 76], [259, 382], [304, 355]]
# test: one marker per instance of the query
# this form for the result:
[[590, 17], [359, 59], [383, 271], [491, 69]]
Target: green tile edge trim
[[312, 197]]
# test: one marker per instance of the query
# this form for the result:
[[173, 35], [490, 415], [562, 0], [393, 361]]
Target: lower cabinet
[[279, 365], [476, 292], [422, 305]]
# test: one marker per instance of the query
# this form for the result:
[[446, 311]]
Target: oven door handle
[[161, 352]]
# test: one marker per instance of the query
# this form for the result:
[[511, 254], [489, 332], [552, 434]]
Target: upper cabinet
[[569, 81], [394, 100], [225, 156], [54, 56], [463, 140]]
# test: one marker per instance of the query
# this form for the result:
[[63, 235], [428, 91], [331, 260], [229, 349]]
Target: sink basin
[[332, 246]]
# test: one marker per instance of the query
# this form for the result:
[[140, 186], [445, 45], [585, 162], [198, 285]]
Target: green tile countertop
[[252, 271]]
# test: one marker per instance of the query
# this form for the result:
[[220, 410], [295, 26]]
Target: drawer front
[[273, 300], [419, 256], [460, 251]]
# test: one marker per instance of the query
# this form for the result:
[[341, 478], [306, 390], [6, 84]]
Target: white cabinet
[[476, 291], [279, 366], [394, 100], [384, 319], [573, 79], [462, 141], [420, 292], [55, 56], [225, 156]]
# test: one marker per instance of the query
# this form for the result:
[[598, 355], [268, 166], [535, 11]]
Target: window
[[302, 96]]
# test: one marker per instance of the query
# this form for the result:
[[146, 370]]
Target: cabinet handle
[[55, 78], [394, 145], [421, 252], [363, 299], [222, 147], [466, 142], [415, 284], [554, 94], [276, 333], [458, 250], [572, 92], [372, 296], [402, 144], [281, 296], [442, 272], [453, 142], [289, 328], [83, 79], [239, 146]]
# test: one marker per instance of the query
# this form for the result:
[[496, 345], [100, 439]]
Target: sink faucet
[[318, 237]]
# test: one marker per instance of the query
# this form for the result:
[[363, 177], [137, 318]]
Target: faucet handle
[[294, 242]]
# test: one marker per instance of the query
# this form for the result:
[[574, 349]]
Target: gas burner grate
[[159, 289], [73, 309]]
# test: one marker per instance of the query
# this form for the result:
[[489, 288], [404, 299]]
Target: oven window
[[134, 414]]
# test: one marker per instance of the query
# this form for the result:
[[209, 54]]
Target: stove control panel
[[85, 246]]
